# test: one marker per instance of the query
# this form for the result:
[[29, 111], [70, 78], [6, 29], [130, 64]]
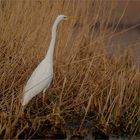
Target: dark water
[[126, 37]]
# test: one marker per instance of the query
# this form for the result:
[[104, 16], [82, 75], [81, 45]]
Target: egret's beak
[[71, 18]]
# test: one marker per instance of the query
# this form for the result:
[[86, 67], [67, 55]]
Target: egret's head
[[61, 18]]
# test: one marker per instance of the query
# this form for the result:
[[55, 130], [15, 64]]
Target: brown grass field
[[90, 90]]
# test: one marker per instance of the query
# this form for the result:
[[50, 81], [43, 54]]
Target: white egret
[[42, 76]]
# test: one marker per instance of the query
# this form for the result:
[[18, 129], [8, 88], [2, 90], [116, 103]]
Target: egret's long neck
[[50, 52]]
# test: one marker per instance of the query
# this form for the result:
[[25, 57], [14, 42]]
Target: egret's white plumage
[[43, 74]]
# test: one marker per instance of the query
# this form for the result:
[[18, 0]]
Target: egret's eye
[[65, 18]]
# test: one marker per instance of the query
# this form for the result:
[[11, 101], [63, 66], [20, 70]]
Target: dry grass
[[95, 89]]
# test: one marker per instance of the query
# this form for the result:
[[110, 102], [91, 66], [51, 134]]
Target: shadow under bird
[[42, 76]]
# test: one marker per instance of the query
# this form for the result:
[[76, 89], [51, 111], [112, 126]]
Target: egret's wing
[[42, 75]]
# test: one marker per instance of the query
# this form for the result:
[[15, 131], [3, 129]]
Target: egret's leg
[[44, 95], [44, 92]]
